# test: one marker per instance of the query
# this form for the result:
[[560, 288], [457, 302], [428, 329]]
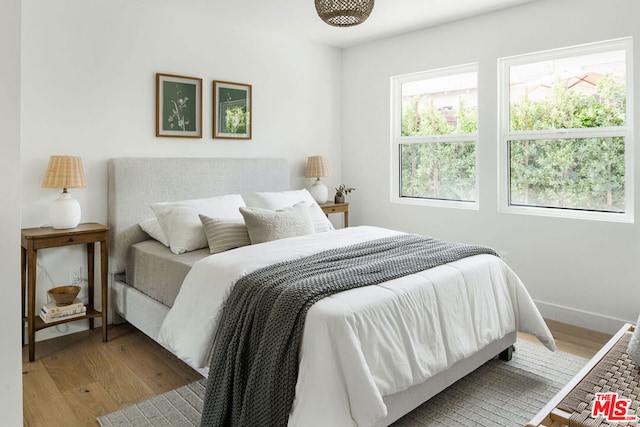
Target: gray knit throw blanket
[[254, 365]]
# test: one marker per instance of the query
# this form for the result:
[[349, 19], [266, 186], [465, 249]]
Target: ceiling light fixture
[[344, 13]]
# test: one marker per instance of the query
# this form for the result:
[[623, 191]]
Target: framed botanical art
[[178, 106], [231, 110]]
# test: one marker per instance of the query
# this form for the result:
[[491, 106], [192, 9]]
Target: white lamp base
[[64, 212], [319, 192]]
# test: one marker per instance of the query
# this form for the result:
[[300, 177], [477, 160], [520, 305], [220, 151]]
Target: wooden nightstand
[[331, 208], [34, 239]]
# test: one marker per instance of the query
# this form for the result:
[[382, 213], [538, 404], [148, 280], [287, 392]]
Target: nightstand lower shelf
[[40, 324]]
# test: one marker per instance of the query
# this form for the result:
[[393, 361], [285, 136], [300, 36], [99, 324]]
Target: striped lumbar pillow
[[224, 233]]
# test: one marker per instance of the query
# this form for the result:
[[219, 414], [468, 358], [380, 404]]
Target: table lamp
[[317, 167], [64, 172]]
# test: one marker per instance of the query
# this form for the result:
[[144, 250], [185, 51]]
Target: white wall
[[10, 334], [88, 89], [581, 272]]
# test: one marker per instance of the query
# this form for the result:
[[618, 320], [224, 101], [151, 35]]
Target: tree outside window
[[436, 137], [567, 142]]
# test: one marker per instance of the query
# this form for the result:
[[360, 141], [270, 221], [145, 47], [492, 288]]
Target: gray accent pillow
[[275, 200], [224, 233], [265, 225]]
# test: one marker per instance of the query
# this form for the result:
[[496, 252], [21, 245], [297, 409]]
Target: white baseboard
[[584, 319]]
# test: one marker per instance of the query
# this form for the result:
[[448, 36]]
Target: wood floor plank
[[88, 402], [54, 345], [43, 404], [179, 367], [140, 354], [68, 368], [575, 337], [122, 384]]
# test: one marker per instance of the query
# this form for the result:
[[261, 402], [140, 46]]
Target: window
[[434, 136], [566, 126]]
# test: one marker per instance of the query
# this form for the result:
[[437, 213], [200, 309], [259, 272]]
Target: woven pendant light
[[344, 13]]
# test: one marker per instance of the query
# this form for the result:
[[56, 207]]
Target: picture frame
[[232, 110], [178, 106]]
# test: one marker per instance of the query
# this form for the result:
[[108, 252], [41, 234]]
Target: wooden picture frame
[[178, 106], [231, 110]]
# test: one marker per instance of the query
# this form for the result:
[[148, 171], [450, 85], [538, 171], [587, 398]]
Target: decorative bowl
[[63, 295]]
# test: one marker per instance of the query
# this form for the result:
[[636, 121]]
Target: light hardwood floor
[[77, 378]]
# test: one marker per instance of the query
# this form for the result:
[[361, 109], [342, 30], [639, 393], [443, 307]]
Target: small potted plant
[[341, 192]]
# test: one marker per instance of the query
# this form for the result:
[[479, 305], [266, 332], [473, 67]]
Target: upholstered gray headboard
[[135, 183]]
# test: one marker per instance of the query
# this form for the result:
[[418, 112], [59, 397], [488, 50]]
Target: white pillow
[[633, 348], [180, 221], [151, 226], [276, 200], [265, 225], [224, 233]]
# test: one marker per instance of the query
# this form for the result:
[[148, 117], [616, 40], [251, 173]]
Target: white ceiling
[[389, 17]]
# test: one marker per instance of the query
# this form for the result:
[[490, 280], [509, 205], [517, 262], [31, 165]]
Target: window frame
[[505, 134], [397, 140]]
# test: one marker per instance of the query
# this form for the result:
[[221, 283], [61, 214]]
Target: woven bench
[[610, 370]]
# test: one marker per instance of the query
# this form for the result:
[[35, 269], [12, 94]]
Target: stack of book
[[50, 312]]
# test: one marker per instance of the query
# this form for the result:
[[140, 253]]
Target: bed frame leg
[[507, 353]]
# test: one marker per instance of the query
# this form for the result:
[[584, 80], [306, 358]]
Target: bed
[[345, 373]]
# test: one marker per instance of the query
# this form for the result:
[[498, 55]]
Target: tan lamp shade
[[64, 172], [317, 166]]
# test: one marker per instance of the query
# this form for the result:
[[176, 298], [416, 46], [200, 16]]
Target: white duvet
[[369, 342]]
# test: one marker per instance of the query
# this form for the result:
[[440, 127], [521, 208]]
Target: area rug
[[498, 394]]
